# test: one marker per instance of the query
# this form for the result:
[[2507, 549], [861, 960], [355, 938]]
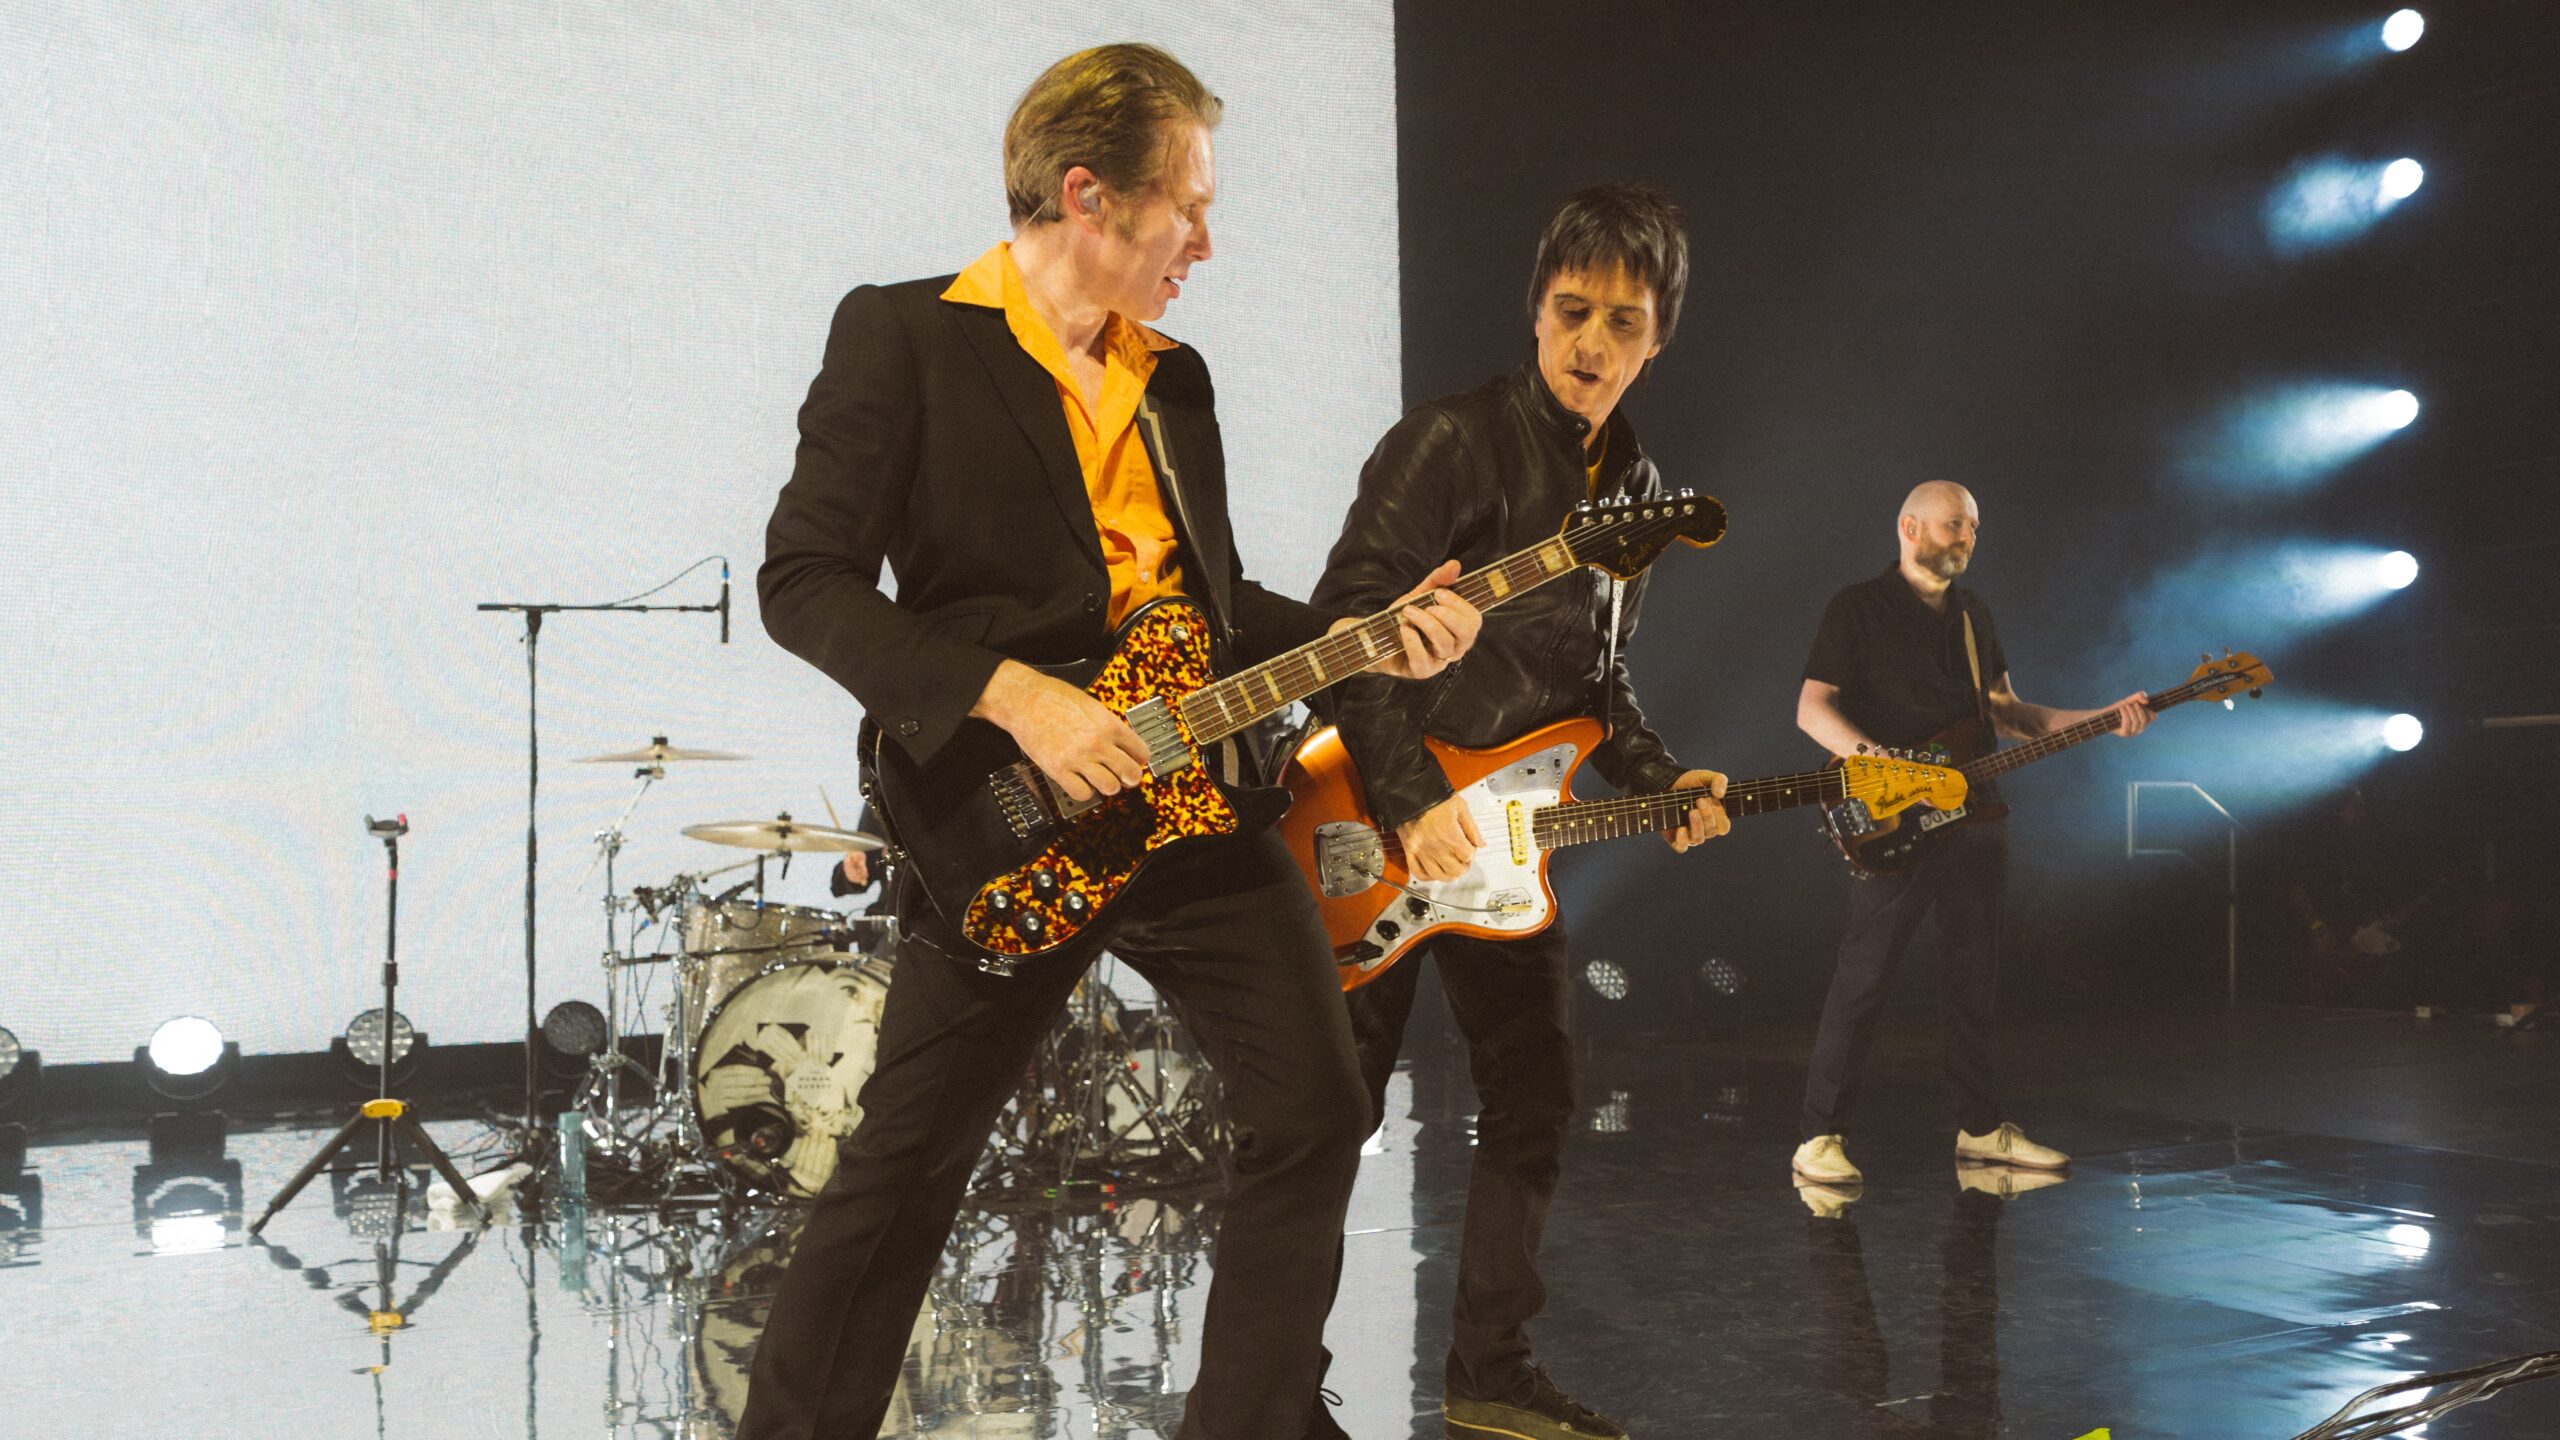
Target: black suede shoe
[[1320, 1422], [1537, 1410]]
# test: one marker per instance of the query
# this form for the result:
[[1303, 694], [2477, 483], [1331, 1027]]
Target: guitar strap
[[1230, 760], [1973, 662], [1609, 662]]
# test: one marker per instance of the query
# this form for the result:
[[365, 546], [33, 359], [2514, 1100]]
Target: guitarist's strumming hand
[[1076, 740], [1441, 841], [1435, 631], [1707, 819]]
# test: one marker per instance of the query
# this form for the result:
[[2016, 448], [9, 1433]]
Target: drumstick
[[831, 808]]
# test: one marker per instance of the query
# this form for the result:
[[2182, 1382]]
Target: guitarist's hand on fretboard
[[2133, 713], [1707, 819], [1076, 740], [1433, 633]]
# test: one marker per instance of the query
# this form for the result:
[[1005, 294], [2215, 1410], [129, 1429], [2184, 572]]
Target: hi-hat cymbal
[[782, 833], [658, 752]]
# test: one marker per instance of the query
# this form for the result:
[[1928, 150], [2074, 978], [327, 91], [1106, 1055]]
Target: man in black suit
[[979, 433]]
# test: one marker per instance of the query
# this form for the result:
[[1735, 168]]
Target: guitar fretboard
[[1581, 822], [2027, 752], [1227, 707]]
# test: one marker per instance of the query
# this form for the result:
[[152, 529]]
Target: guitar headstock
[[1624, 536], [2224, 678], [1891, 781]]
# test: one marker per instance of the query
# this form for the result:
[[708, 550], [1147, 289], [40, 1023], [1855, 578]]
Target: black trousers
[[1509, 997], [1229, 935], [1963, 875]]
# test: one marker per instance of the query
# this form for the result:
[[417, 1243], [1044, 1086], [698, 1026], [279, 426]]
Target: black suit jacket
[[931, 440]]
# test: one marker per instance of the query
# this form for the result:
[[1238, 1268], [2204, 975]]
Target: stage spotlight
[[2403, 732], [2330, 200], [2398, 570], [359, 1050], [571, 1033], [2403, 29], [2295, 435], [1607, 979], [187, 1059]]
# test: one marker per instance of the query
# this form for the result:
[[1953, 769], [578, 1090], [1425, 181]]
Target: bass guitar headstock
[[1889, 782], [2225, 678], [1625, 536]]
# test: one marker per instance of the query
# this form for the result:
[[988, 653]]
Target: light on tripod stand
[[21, 1091], [359, 1049], [572, 1033], [187, 1061]]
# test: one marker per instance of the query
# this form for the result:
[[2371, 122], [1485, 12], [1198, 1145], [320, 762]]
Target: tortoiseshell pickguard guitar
[[1021, 870]]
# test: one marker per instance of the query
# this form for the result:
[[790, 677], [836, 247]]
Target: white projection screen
[[321, 323]]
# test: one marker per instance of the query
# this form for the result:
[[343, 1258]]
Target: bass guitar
[[1520, 796], [1887, 845], [1019, 869]]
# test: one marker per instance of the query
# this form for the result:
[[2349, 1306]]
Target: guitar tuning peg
[[2206, 657]]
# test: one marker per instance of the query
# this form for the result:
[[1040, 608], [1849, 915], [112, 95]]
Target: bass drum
[[780, 1064]]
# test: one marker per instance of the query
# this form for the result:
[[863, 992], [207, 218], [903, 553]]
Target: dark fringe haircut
[[1608, 226]]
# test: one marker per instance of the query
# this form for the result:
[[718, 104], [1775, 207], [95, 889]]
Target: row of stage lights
[[2395, 182], [2297, 437]]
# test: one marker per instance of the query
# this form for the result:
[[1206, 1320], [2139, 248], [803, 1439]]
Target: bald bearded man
[[1898, 659]]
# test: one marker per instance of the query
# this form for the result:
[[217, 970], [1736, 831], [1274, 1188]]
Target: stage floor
[[2269, 1214]]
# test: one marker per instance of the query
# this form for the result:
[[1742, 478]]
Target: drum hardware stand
[[536, 1148], [605, 1067], [390, 1118]]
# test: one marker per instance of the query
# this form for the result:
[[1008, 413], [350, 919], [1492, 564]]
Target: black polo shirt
[[1900, 665]]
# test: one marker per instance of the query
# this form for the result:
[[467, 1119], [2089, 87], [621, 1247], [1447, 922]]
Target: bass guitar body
[[1017, 869], [1374, 910], [1889, 845]]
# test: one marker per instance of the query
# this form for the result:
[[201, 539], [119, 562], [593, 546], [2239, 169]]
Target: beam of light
[[2330, 200], [2259, 596], [2397, 570], [2403, 732], [2294, 435], [2402, 30]]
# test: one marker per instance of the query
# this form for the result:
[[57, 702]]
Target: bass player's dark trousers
[[1962, 875], [1229, 935], [1509, 997]]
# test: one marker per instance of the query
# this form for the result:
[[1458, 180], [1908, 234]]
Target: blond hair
[[1105, 109]]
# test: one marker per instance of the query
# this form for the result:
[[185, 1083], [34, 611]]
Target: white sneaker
[[1827, 1202], [1820, 1160], [2005, 1181], [2009, 1145]]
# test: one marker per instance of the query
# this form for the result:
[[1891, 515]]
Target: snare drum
[[728, 941], [779, 1065]]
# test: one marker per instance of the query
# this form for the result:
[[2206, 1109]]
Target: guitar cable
[[1378, 877]]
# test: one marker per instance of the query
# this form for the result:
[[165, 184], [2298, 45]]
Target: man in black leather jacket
[[1478, 476]]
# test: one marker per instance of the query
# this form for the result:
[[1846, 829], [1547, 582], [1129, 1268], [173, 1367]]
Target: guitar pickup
[[1161, 733]]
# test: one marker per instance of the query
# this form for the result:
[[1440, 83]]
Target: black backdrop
[[2019, 245]]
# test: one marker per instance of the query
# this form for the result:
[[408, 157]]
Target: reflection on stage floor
[[2256, 1230]]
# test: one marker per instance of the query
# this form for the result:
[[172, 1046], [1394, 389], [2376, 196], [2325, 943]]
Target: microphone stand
[[536, 1149]]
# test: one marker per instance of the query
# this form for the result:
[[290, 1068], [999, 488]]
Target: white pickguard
[[1500, 891]]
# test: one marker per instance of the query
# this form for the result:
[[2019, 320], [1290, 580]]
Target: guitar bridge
[[1022, 799], [1350, 857], [1932, 819]]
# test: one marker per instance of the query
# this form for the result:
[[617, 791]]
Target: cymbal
[[658, 752], [783, 833]]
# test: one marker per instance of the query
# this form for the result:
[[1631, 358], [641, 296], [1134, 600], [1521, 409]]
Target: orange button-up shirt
[[1128, 508]]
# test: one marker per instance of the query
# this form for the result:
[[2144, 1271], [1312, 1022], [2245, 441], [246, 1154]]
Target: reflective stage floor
[[2268, 1215]]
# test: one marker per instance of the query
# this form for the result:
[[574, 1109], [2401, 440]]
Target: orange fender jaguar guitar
[[1521, 797], [1020, 870]]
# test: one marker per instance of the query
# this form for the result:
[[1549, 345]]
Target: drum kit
[[774, 1022]]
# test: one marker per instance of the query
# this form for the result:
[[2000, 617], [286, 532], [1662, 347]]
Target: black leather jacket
[[1478, 476]]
